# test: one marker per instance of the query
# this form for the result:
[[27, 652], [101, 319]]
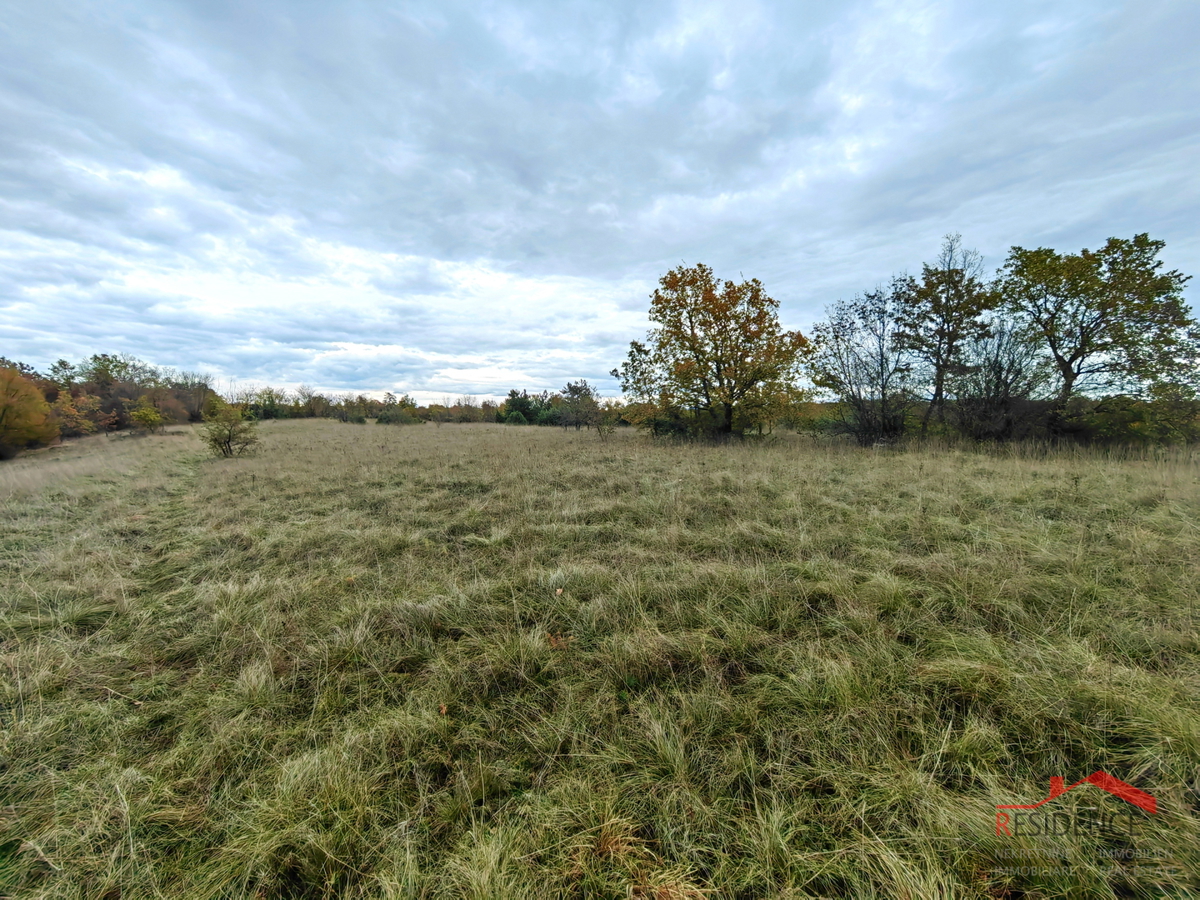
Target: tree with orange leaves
[[24, 414], [718, 360]]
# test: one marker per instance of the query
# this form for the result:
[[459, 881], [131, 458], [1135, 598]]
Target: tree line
[[1090, 346], [1096, 345], [113, 392], [105, 392]]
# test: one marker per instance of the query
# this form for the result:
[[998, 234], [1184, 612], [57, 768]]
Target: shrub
[[146, 416], [394, 414], [515, 418], [228, 432], [608, 419], [1169, 415], [76, 415]]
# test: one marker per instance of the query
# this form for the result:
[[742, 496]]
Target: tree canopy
[[718, 359], [938, 315], [25, 418], [1109, 318]]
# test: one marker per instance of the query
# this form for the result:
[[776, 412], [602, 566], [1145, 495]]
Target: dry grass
[[478, 661], [80, 465]]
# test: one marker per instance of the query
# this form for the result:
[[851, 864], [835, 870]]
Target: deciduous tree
[[1111, 318], [146, 415], [609, 418], [63, 373], [860, 360], [718, 349], [228, 432], [1000, 387], [76, 415], [25, 419], [940, 313], [580, 405]]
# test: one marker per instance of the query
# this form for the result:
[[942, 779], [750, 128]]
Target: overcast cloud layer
[[452, 198]]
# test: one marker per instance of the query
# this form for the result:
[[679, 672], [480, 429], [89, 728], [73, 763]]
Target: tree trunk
[[1069, 377], [937, 401], [727, 421]]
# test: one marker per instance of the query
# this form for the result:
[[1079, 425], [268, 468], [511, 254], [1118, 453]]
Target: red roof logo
[[1102, 780]]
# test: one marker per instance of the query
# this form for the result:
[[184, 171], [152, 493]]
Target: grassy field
[[498, 662]]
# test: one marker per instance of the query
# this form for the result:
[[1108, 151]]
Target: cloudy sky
[[451, 198]]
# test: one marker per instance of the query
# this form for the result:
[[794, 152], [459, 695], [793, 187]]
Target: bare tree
[[860, 360], [998, 388], [467, 409], [305, 396]]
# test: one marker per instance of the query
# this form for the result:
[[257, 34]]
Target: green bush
[[227, 431], [1170, 415], [515, 418], [147, 417], [395, 414]]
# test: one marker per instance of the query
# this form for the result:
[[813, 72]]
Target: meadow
[[503, 662]]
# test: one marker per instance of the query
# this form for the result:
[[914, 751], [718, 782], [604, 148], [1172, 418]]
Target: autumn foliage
[[25, 418], [718, 362]]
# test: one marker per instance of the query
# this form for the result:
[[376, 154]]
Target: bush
[[609, 418], [228, 432], [1170, 415], [394, 414], [147, 417], [76, 415], [515, 418]]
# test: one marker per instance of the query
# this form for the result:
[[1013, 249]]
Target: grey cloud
[[819, 147]]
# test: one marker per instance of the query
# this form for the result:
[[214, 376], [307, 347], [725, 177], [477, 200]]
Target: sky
[[462, 198]]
